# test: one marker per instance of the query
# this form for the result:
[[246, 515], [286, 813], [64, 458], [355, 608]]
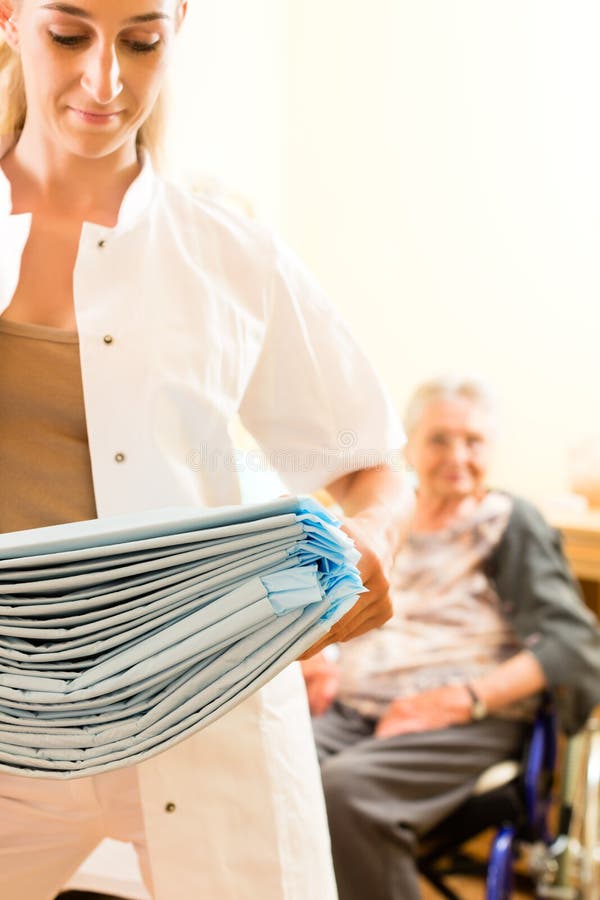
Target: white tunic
[[210, 316]]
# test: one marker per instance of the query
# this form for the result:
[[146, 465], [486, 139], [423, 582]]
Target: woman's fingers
[[373, 608]]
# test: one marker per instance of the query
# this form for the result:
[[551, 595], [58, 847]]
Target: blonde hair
[[448, 387], [12, 91], [13, 106]]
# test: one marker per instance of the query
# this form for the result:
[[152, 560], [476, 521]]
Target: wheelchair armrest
[[496, 776]]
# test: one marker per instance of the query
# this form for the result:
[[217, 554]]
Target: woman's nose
[[102, 76], [459, 451]]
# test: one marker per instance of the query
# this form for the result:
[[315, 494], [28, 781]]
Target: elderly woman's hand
[[438, 708], [373, 608]]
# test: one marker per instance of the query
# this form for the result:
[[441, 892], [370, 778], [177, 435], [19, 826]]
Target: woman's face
[[450, 448], [93, 69]]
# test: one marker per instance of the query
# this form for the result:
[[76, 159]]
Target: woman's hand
[[378, 505], [371, 609], [515, 679], [322, 678], [439, 708]]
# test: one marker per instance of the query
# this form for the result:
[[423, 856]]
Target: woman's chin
[[93, 142], [457, 489]]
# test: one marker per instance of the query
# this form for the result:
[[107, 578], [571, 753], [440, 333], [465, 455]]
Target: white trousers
[[48, 827]]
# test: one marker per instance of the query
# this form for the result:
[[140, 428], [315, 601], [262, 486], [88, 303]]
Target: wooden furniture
[[581, 535]]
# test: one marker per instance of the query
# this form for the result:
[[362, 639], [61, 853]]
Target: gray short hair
[[447, 387]]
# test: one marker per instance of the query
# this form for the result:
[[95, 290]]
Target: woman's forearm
[[513, 680], [380, 495]]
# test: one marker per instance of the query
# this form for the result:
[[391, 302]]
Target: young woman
[[135, 322]]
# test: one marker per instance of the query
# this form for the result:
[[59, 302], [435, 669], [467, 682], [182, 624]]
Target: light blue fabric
[[120, 637]]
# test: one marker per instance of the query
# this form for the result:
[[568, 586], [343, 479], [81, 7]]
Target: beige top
[[45, 469], [447, 626]]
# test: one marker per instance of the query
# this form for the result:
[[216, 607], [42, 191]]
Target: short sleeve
[[314, 403]]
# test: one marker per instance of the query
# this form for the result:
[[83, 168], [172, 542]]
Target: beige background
[[436, 165]]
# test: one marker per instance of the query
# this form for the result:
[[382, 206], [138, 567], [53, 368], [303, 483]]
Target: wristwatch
[[478, 708]]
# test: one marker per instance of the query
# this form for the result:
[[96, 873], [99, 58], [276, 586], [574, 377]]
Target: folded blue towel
[[121, 636]]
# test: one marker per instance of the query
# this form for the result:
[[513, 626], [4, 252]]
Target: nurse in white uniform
[[185, 315]]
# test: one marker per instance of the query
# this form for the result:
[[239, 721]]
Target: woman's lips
[[94, 118]]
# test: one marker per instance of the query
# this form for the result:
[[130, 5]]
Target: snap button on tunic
[[170, 807], [119, 457], [108, 339]]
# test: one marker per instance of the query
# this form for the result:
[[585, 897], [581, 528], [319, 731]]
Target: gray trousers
[[382, 794]]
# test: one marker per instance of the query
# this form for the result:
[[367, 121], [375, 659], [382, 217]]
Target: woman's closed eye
[[68, 40], [80, 40], [440, 439], [474, 441], [142, 46]]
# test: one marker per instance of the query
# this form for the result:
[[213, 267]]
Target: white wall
[[441, 178], [436, 164], [228, 99]]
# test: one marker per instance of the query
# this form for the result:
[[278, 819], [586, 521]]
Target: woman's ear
[[181, 14], [8, 26]]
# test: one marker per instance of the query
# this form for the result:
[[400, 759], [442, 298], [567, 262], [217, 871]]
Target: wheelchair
[[563, 866]]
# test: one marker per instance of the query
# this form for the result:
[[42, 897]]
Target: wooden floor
[[466, 889], [470, 888]]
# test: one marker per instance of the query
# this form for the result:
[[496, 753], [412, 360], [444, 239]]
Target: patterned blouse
[[447, 626]]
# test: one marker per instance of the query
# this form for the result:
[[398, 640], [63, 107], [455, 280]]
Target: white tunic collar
[[135, 203]]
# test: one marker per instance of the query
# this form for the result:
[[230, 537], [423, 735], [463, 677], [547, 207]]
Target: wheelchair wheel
[[578, 860], [500, 866], [584, 834]]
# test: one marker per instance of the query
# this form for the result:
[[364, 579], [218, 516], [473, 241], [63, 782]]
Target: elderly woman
[[485, 617]]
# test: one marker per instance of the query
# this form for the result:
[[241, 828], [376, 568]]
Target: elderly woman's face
[[93, 68], [450, 448]]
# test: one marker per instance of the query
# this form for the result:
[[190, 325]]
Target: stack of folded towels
[[120, 637]]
